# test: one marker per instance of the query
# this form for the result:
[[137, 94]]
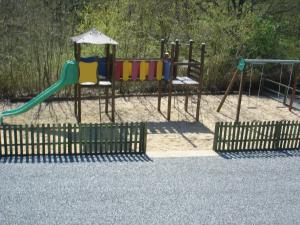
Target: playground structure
[[104, 72], [294, 77], [112, 70]]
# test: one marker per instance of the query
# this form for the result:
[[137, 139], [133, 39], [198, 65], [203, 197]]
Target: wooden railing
[[61, 139], [257, 135]]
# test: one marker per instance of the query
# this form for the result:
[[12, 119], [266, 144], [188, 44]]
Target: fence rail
[[257, 135], [61, 139]]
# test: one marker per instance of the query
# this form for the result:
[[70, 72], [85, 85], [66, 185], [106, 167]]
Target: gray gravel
[[203, 190]]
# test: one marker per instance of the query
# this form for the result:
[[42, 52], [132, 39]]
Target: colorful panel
[[118, 69], [135, 70], [152, 68], [159, 70], [144, 69], [88, 72], [127, 70], [88, 59], [102, 67], [167, 68]]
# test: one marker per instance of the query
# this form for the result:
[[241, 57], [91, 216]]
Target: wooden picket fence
[[257, 135], [63, 139]]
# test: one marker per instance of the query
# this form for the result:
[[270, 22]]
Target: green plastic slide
[[68, 76]]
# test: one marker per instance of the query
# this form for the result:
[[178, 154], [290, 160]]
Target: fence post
[[144, 137], [277, 134], [216, 136], [69, 139]]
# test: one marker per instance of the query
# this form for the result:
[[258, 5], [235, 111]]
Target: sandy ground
[[180, 134]]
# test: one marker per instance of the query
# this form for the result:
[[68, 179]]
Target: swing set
[[104, 72], [294, 77]]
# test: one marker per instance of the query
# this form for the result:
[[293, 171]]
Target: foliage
[[35, 34]]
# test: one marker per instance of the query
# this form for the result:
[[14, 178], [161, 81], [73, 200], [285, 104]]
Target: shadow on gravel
[[260, 154], [75, 158]]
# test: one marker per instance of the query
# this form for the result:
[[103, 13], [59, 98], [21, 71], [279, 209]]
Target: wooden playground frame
[[192, 80]]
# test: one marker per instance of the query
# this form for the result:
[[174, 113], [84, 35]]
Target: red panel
[[135, 70], [152, 69], [118, 70]]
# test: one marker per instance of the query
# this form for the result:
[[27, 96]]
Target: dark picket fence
[[63, 139], [257, 135]]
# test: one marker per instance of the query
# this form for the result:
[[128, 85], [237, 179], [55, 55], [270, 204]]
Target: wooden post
[[188, 73], [170, 82], [200, 86], [176, 57], [75, 100], [106, 49], [162, 49], [79, 86], [240, 98], [79, 104], [113, 83], [295, 80], [77, 52], [228, 90]]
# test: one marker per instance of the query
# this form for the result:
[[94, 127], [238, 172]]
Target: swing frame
[[240, 69]]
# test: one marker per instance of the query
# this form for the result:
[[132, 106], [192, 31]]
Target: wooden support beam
[[240, 98], [162, 50], [77, 52], [176, 57], [170, 83], [188, 73], [159, 95], [200, 86], [79, 104], [235, 75], [106, 99], [75, 101], [113, 84]]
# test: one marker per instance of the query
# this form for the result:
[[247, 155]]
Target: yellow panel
[[159, 70], [144, 68], [88, 72], [127, 70]]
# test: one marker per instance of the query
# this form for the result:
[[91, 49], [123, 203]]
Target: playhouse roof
[[94, 37]]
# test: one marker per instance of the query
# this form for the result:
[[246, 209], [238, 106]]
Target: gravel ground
[[233, 189]]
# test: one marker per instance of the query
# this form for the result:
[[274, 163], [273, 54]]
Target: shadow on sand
[[177, 127]]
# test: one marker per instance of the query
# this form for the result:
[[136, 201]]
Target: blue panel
[[102, 66], [167, 67], [89, 59]]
